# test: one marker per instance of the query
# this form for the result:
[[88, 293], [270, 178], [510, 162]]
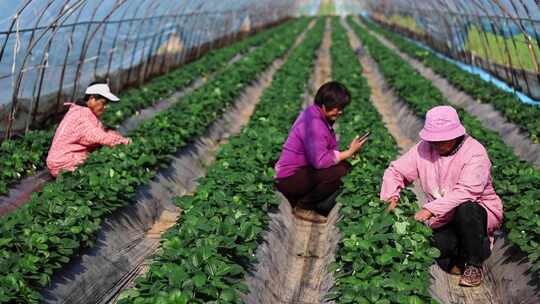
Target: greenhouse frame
[[305, 151]]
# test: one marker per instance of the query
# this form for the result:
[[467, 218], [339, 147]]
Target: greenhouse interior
[[302, 151]]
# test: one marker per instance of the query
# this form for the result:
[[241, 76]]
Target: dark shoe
[[309, 215], [325, 206], [472, 276]]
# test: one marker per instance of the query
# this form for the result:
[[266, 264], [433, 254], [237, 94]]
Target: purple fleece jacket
[[311, 142]]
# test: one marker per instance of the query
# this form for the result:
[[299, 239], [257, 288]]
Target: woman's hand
[[423, 215], [354, 147], [392, 203], [356, 144]]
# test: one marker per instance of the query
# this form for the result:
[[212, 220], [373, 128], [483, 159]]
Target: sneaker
[[472, 276], [309, 215]]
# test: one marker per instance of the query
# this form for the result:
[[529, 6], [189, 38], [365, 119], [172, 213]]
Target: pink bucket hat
[[442, 123]]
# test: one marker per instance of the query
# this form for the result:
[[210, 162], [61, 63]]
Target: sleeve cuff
[[429, 207], [385, 196], [336, 156]]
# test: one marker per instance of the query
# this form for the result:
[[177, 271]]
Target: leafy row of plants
[[23, 156], [523, 115], [204, 258], [382, 257], [46, 233], [516, 182]]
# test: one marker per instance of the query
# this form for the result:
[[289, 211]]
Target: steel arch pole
[[167, 53], [149, 61], [115, 40], [54, 26], [44, 62], [142, 63], [10, 30], [180, 56], [66, 57], [126, 43], [150, 8], [84, 46]]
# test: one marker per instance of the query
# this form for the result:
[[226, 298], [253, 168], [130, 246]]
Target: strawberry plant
[[206, 255], [523, 115], [516, 182], [22, 157], [46, 233], [382, 257]]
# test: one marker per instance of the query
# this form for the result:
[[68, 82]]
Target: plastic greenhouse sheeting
[[483, 74], [500, 37], [51, 49]]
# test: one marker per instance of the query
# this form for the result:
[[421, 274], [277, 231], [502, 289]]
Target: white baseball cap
[[101, 89]]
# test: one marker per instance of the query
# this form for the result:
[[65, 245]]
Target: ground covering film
[[509, 271], [513, 135], [382, 257], [44, 234], [21, 157], [523, 115], [205, 257]]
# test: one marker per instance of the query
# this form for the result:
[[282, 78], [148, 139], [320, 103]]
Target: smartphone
[[365, 135]]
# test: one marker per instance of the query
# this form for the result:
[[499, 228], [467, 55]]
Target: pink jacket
[[79, 132], [447, 181]]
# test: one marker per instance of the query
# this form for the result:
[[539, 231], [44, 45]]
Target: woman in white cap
[[454, 171], [81, 131]]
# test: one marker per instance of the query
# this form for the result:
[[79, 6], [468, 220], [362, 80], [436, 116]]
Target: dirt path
[[383, 98], [294, 257], [490, 118], [507, 279], [293, 260], [323, 68]]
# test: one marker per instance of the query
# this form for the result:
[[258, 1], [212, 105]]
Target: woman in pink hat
[[454, 171]]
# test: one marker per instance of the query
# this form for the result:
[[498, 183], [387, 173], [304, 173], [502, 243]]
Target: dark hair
[[332, 95], [96, 96]]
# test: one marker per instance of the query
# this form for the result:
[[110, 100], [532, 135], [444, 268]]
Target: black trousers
[[465, 240], [314, 189]]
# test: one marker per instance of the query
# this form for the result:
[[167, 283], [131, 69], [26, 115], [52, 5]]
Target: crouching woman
[[454, 172], [80, 131], [310, 167]]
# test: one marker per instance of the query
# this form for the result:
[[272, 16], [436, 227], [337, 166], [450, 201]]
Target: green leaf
[[199, 280]]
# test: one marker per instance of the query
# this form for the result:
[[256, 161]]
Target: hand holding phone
[[358, 142], [365, 136]]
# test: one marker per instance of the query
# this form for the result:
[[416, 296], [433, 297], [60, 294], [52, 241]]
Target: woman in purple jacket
[[310, 167]]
